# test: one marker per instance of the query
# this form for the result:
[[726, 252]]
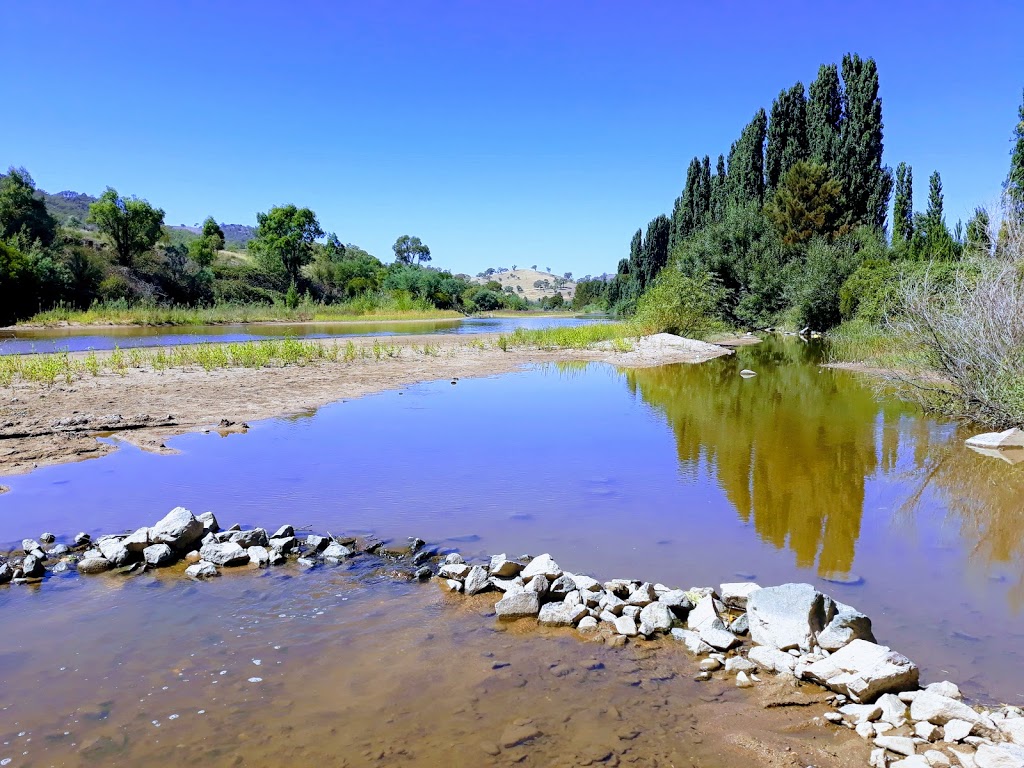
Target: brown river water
[[688, 475]]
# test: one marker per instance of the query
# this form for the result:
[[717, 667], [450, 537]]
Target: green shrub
[[686, 305]]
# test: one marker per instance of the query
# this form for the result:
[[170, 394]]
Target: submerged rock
[[864, 670], [159, 555], [94, 565], [517, 605], [202, 570]]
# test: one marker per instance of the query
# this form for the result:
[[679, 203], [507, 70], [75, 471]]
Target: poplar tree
[[867, 185], [903, 206], [746, 162], [937, 240], [704, 198], [685, 216], [824, 117], [719, 191], [787, 135], [654, 251], [1015, 179]]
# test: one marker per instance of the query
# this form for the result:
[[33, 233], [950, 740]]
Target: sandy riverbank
[[41, 425]]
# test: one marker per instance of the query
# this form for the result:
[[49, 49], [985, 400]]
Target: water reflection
[[795, 447]]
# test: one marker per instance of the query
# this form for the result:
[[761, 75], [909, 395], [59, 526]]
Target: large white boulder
[[1011, 438], [518, 605], [542, 565], [863, 671], [179, 529], [939, 710], [999, 756], [788, 616]]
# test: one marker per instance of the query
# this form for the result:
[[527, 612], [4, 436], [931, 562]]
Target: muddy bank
[[41, 425]]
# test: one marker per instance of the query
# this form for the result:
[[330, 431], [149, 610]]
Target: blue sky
[[499, 132]]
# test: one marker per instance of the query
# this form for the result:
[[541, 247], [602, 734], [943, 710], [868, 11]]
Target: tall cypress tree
[[825, 117], [684, 215], [719, 190], [867, 185], [903, 206], [787, 135], [654, 251], [704, 192], [1015, 179], [936, 235], [746, 162]]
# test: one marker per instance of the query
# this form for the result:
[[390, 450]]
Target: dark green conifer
[[903, 206], [824, 117], [867, 185], [787, 135], [746, 162]]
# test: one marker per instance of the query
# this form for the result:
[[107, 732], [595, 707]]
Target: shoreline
[[785, 646], [44, 425]]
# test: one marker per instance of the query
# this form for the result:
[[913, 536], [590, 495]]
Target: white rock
[[861, 713], [633, 611], [704, 612], [179, 528], [771, 659], [258, 556], [736, 664], [717, 636], [504, 568], [137, 542], [894, 711], [945, 688], [878, 759], [226, 554], [999, 756], [677, 600], [914, 761], [956, 730], [453, 585], [882, 728], [1011, 438], [936, 759], [939, 709], [743, 681], [560, 614], [202, 570], [642, 595], [926, 730], [965, 756], [454, 558], [625, 625], [863, 671], [865, 730], [847, 625], [612, 603], [517, 605], [159, 555], [453, 571], [788, 616], [334, 552], [476, 580], [538, 584], [542, 565], [586, 583], [658, 616], [114, 551], [735, 594], [1013, 729], [692, 641], [710, 665], [587, 624], [901, 745]]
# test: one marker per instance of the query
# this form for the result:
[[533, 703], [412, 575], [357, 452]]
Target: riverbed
[[686, 474]]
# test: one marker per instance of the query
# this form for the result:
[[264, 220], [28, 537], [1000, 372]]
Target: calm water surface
[[25, 341], [688, 475]]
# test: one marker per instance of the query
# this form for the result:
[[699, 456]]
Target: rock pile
[[181, 537], [794, 631]]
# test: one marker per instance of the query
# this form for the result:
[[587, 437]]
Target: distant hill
[[66, 205], [535, 285]]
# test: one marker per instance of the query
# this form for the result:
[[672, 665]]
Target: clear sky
[[518, 131]]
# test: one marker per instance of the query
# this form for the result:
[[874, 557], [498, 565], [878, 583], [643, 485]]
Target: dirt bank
[[42, 425]]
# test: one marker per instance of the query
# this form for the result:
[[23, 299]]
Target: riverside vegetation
[[799, 638], [792, 230], [118, 263]]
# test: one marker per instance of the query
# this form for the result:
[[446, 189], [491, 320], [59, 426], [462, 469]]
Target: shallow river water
[[29, 340], [689, 475]]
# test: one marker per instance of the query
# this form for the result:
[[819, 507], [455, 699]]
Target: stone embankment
[[739, 630]]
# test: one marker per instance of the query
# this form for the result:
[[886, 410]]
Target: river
[[689, 475]]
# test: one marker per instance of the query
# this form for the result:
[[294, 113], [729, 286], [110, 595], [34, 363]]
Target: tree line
[[791, 225], [126, 255]]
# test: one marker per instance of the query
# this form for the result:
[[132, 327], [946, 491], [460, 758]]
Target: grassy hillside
[[527, 279]]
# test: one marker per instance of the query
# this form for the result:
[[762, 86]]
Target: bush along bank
[[740, 631]]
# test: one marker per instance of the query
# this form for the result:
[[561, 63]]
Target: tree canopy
[[132, 224], [284, 239], [410, 249], [22, 214]]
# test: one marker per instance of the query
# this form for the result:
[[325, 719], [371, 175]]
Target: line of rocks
[[199, 541], [740, 630], [794, 631]]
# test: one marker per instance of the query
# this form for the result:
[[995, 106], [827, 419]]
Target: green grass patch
[[579, 337]]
